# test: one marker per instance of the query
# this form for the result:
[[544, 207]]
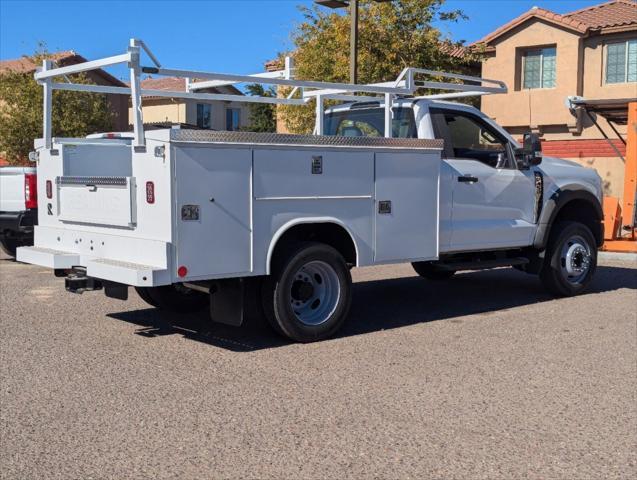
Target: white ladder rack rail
[[303, 91]]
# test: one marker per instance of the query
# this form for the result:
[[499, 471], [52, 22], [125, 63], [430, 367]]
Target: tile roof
[[177, 84], [611, 14], [69, 57], [165, 83], [616, 13], [27, 65]]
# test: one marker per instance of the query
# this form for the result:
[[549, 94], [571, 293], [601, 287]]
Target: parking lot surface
[[484, 376]]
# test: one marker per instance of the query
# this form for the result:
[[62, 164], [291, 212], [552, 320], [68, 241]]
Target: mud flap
[[115, 290], [236, 300], [227, 301]]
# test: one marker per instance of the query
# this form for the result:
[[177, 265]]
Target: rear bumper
[[105, 269], [17, 224]]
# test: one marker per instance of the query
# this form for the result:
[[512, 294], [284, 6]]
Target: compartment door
[[213, 204], [108, 201], [406, 207]]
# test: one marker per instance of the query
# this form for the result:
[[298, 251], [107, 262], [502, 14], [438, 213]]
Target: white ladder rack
[[303, 91]]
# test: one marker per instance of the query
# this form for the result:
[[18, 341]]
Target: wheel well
[[330, 234], [582, 211]]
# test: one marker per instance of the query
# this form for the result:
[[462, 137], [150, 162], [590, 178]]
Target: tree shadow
[[384, 305]]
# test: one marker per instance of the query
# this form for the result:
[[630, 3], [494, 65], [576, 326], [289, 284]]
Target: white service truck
[[199, 219], [18, 207]]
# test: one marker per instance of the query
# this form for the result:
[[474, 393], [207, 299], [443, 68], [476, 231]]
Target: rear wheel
[[430, 271], [308, 295], [571, 259], [9, 246], [174, 298]]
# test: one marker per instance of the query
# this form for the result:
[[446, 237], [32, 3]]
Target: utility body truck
[[199, 219]]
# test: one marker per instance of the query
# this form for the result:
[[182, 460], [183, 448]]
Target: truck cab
[[491, 195]]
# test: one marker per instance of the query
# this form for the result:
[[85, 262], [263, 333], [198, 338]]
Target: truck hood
[[566, 172], [560, 162]]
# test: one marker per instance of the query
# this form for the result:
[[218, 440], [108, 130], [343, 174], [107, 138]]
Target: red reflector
[[49, 189], [150, 192], [182, 271], [30, 191]]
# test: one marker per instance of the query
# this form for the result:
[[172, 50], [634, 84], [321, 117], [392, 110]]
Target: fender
[[555, 203], [305, 220]]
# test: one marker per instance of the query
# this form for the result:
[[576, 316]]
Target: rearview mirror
[[532, 148]]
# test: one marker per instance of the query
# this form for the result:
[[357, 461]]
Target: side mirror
[[532, 148]]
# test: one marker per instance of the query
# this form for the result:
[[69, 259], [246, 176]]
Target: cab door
[[493, 202]]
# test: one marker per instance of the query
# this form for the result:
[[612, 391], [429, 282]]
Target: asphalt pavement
[[484, 376]]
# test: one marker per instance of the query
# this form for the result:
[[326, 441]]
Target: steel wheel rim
[[315, 293], [575, 259]]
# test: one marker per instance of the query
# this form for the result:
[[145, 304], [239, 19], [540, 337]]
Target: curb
[[617, 256]]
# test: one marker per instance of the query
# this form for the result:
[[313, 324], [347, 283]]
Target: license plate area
[[97, 200]]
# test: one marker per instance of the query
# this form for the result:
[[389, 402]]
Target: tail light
[[150, 192], [49, 189], [30, 190]]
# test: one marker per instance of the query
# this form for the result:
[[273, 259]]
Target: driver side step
[[483, 264]]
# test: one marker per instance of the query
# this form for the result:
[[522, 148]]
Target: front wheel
[[308, 295], [174, 298], [571, 259]]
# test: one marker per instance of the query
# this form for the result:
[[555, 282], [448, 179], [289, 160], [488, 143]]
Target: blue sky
[[234, 36]]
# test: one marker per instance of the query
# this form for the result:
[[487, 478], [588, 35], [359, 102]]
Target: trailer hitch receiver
[[78, 282]]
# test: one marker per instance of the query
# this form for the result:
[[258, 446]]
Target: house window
[[539, 68], [233, 117], [203, 115], [621, 62]]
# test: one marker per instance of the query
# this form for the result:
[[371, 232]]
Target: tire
[[430, 271], [9, 246], [144, 294], [308, 295], [174, 298], [570, 261]]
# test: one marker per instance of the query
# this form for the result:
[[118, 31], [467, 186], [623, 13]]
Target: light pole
[[353, 36]]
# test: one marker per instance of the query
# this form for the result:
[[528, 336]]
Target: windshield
[[370, 122]]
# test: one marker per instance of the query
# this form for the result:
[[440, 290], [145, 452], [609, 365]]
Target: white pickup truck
[[195, 219], [18, 207]]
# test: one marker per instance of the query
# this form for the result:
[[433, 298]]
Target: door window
[[469, 137]]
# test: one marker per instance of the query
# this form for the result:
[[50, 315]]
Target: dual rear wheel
[[307, 296]]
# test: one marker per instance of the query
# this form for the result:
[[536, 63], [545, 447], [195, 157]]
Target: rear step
[[483, 264]]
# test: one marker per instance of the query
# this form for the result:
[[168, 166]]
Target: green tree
[[262, 115], [392, 36], [75, 114]]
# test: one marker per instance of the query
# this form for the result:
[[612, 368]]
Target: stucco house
[[212, 114], [118, 103], [544, 57]]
